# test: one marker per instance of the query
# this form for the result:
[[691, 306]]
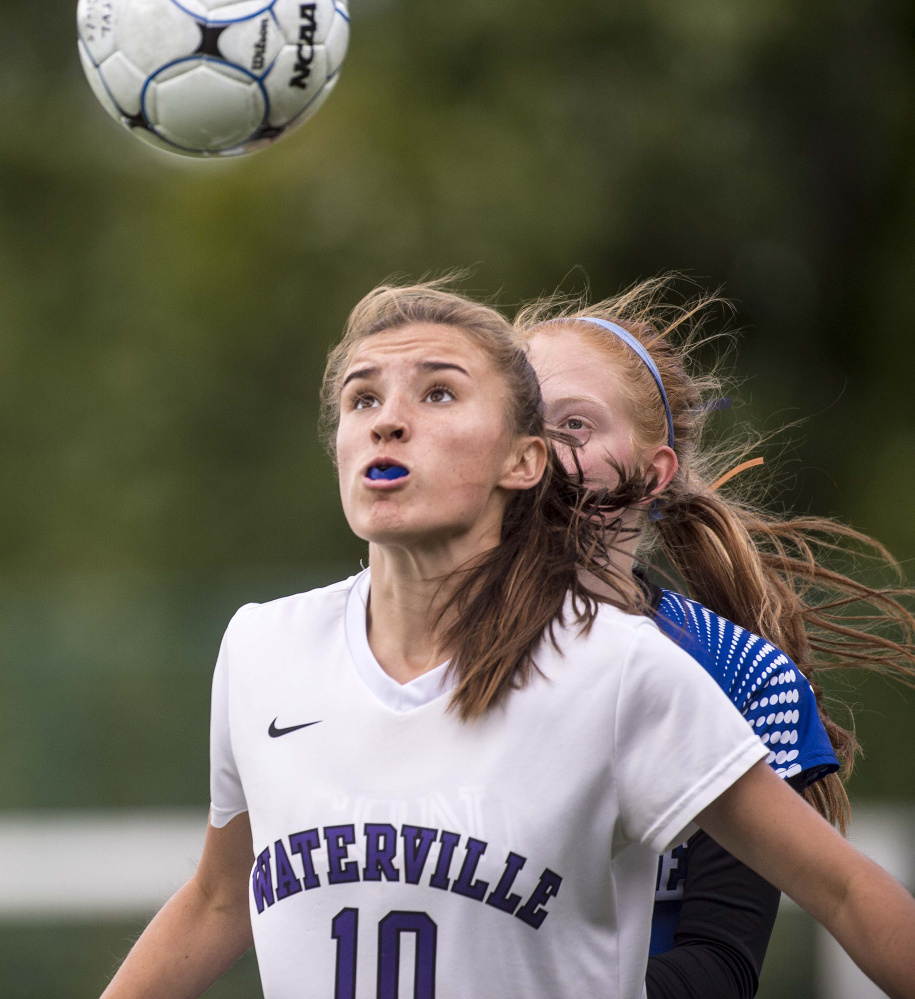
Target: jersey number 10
[[345, 930]]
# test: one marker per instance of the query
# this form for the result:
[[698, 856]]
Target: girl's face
[[581, 395], [424, 450]]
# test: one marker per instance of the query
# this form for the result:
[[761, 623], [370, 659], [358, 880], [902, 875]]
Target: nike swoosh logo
[[275, 732]]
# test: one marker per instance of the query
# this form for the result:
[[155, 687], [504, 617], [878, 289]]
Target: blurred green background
[[163, 325]]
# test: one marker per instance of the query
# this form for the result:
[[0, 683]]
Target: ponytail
[[766, 575]]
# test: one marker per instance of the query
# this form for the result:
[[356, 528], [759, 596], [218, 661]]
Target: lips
[[386, 470]]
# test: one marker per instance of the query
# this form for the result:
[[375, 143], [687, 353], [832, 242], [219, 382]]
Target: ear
[[663, 465], [525, 465]]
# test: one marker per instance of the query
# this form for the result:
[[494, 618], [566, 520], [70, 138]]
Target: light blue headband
[[643, 354]]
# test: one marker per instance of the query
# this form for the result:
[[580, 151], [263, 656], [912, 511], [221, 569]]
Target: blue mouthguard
[[394, 472]]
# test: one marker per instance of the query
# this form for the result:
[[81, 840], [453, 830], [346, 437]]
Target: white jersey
[[401, 852]]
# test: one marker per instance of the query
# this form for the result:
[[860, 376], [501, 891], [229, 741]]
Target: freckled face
[[580, 391], [422, 442]]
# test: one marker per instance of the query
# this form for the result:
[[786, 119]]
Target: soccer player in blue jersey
[[737, 908], [450, 776], [614, 378]]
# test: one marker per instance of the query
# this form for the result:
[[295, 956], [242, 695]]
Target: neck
[[623, 553], [622, 560], [410, 588]]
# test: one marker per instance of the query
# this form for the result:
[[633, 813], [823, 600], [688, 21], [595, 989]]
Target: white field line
[[95, 865], [110, 864]]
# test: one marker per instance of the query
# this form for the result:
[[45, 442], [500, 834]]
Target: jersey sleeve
[[227, 797], [762, 683], [784, 715], [679, 741]]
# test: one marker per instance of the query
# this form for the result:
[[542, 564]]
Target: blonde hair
[[768, 573]]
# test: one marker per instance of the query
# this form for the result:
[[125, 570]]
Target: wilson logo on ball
[[259, 60]]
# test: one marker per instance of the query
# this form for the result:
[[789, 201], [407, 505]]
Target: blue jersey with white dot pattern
[[769, 691]]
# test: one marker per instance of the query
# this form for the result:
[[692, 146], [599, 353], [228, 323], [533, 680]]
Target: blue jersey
[[774, 697]]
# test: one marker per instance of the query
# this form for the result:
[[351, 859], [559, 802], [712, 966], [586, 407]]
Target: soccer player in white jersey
[[617, 377], [451, 775]]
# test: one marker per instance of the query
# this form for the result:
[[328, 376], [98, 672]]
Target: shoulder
[[599, 652], [760, 679], [636, 640], [741, 662], [619, 632], [623, 670], [311, 611]]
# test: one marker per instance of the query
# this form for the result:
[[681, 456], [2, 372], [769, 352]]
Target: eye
[[440, 394], [364, 401], [575, 425]]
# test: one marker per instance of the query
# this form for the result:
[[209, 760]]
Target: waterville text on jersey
[[275, 876]]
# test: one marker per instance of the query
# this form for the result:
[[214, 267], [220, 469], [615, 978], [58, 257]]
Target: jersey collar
[[396, 696]]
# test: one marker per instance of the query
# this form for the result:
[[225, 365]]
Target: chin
[[385, 529], [405, 533]]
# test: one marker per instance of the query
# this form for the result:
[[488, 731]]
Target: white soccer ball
[[212, 77]]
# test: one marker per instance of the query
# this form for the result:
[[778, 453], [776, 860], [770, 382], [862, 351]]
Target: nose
[[391, 423]]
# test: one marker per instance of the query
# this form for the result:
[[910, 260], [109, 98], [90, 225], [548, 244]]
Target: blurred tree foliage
[[163, 322]]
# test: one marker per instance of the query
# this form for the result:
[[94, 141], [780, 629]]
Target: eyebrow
[[370, 372], [359, 373], [442, 366], [575, 399]]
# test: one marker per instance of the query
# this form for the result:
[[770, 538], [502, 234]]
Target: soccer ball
[[212, 77]]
